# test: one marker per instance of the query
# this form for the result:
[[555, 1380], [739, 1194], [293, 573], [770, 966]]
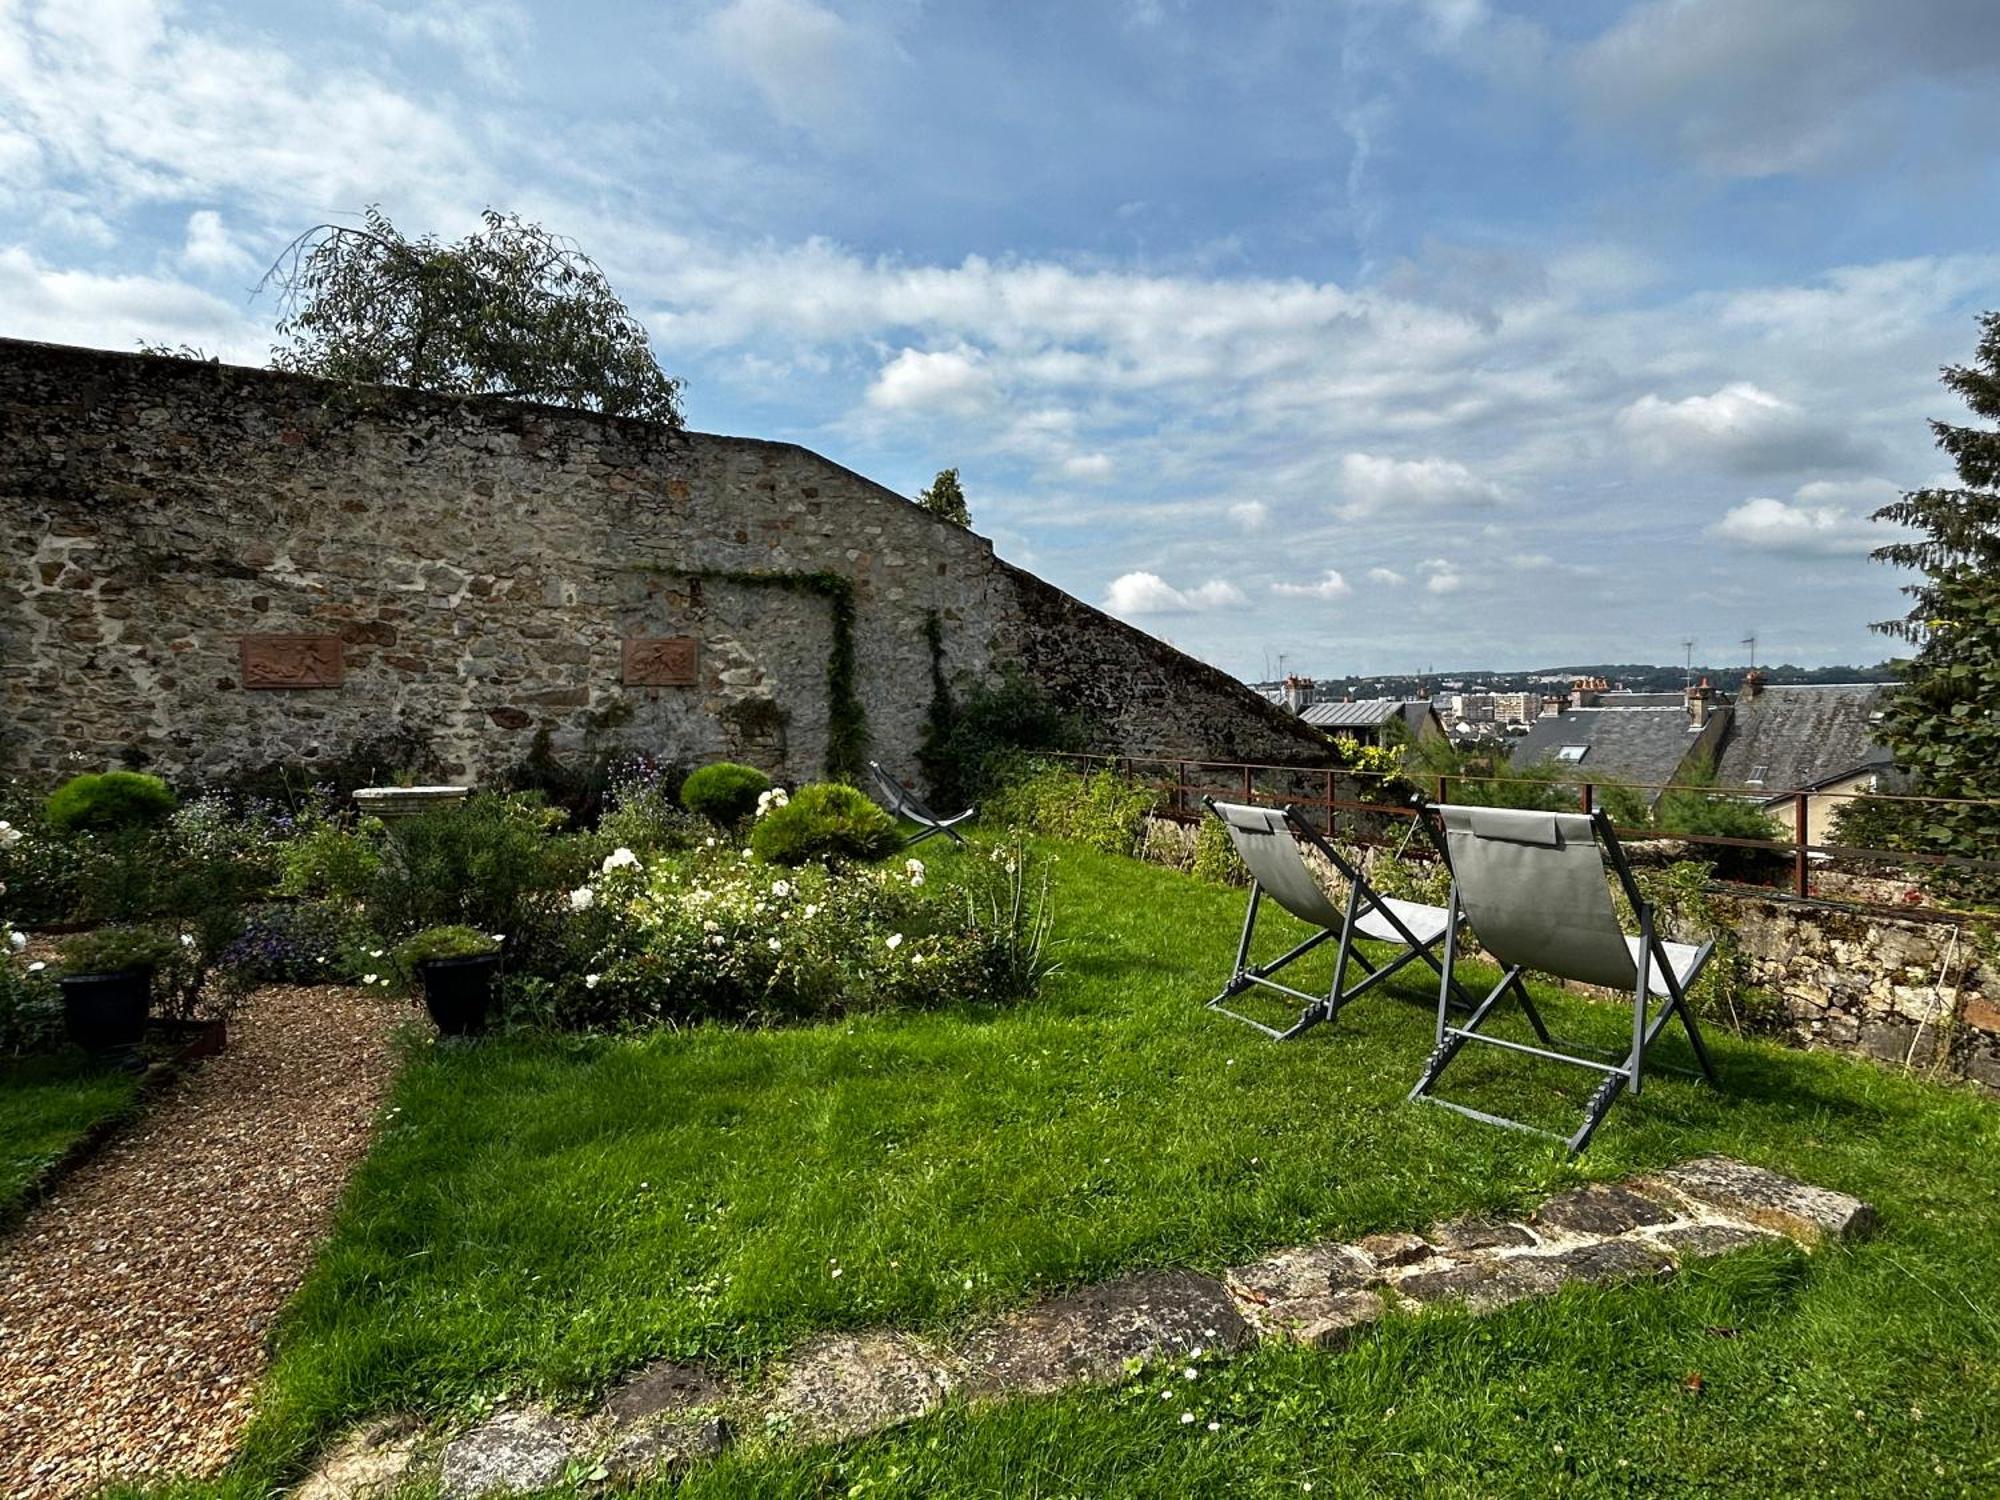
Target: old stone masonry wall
[[208, 569]]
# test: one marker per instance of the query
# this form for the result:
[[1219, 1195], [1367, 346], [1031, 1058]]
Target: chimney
[[1298, 693], [1698, 699], [1752, 686]]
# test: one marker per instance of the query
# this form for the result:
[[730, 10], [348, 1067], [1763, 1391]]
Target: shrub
[[486, 863], [109, 800], [1215, 857], [725, 793], [328, 861], [969, 748], [647, 821], [31, 1017], [435, 944], [1012, 921], [824, 821], [1103, 810], [114, 950]]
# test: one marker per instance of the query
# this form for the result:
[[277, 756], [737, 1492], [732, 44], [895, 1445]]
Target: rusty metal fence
[[1371, 807]]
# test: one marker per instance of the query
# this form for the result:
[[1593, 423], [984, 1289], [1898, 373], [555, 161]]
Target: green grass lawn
[[537, 1217], [46, 1105]]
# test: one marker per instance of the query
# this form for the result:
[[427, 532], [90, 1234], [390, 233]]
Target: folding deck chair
[[1268, 840], [903, 802], [1533, 886]]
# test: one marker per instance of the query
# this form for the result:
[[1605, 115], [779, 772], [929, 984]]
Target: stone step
[[841, 1386]]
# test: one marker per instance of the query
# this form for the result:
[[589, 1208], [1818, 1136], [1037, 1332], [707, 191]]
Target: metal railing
[[1327, 796]]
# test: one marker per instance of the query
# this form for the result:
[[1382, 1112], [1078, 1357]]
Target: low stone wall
[[1907, 990]]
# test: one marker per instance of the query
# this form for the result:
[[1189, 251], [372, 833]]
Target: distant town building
[[1368, 721]]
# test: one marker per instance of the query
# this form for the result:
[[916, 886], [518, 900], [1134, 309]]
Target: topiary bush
[[725, 793], [102, 802], [824, 821]]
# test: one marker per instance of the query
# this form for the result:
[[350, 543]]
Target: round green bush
[[824, 821], [103, 801], [725, 792]]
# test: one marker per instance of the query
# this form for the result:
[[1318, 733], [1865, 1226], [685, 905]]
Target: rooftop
[[1792, 738]]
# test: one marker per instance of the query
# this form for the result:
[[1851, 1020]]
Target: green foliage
[[643, 818], [30, 1006], [510, 310], [329, 861], [109, 801], [725, 793], [116, 950], [1215, 857], [1488, 778], [1685, 910], [486, 862], [826, 820], [945, 500], [436, 944], [1940, 722], [1103, 809], [974, 746], [1012, 919], [47, 1104]]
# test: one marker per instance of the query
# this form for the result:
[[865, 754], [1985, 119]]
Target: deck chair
[[1268, 840], [904, 804], [1533, 886]]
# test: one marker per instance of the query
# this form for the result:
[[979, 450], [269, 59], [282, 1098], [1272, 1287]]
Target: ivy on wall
[[846, 719], [941, 719]]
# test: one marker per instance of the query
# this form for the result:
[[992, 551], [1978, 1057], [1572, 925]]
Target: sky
[[1376, 334]]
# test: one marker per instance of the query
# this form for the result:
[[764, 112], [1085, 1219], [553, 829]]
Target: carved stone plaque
[[661, 661], [291, 661]]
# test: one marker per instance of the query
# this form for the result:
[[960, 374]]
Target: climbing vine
[[940, 720], [846, 719]]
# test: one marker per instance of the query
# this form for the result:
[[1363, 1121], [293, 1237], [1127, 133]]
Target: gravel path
[[135, 1299]]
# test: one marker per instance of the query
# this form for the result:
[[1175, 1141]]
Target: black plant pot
[[107, 1012], [458, 992]]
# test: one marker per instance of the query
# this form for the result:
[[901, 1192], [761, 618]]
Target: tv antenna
[[1750, 641], [1687, 672]]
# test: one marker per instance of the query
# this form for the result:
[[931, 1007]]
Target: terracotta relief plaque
[[291, 661], [661, 661]]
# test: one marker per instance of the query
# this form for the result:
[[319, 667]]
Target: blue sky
[[1383, 334]]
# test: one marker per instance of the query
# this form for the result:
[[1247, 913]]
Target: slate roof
[[1367, 713], [1796, 738], [1644, 746]]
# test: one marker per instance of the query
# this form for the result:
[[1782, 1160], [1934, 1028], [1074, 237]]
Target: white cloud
[[920, 380], [1444, 576], [801, 57], [1741, 427], [209, 246], [1330, 586], [1150, 594], [116, 312], [488, 37], [1374, 484], [1250, 516], [1387, 577], [1820, 520], [1095, 467]]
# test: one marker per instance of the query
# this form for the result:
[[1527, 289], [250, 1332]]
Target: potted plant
[[107, 985], [456, 966]]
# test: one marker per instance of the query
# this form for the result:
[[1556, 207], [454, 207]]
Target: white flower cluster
[[777, 796], [619, 859], [9, 834]]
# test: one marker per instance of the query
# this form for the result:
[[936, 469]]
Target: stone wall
[[481, 563], [1904, 990]]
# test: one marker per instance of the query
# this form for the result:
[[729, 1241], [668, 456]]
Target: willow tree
[[511, 310], [1942, 722]]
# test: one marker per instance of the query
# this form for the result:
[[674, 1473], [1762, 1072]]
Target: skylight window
[[1571, 754]]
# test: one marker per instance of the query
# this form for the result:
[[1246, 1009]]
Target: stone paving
[[841, 1386]]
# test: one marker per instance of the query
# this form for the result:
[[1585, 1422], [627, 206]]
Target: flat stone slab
[[1600, 1208], [507, 1454], [373, 1463], [848, 1384], [1302, 1271], [1703, 1240], [1490, 1282], [1089, 1335], [667, 1387], [665, 1448], [1396, 1249], [1768, 1199], [1462, 1235]]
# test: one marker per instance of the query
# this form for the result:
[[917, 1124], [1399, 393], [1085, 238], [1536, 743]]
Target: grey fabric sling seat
[[904, 804], [1533, 886], [1268, 840]]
